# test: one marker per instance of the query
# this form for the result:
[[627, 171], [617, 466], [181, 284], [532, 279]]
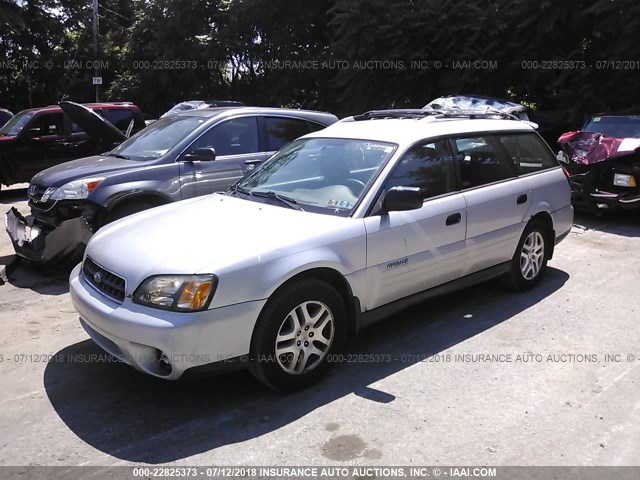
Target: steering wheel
[[355, 185]]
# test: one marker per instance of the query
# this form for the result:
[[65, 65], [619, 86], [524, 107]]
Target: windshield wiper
[[117, 155], [288, 201], [238, 189]]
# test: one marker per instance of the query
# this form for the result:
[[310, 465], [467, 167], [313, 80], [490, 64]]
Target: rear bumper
[[43, 245]]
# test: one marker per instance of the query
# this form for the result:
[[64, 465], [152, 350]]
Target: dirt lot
[[549, 377]]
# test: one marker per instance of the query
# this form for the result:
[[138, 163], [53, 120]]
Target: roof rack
[[440, 113], [399, 113]]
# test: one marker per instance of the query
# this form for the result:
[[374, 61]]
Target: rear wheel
[[296, 334], [529, 262]]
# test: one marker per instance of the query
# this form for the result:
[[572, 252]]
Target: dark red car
[[603, 160], [38, 138]]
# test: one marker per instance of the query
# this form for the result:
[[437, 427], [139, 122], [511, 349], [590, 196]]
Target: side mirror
[[402, 198], [205, 154]]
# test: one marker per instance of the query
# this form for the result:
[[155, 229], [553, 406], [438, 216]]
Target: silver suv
[[337, 230], [181, 156]]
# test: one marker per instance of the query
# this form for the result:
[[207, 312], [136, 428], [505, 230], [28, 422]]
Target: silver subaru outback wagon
[[337, 230]]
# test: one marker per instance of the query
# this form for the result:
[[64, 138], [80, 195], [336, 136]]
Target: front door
[[411, 251], [42, 145]]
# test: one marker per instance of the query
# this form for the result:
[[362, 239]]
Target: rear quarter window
[[528, 152]]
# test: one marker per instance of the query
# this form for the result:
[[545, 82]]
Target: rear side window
[[427, 166], [232, 137], [121, 118], [282, 131], [480, 162], [528, 152]]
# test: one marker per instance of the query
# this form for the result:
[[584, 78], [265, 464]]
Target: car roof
[[312, 115], [409, 130], [56, 108]]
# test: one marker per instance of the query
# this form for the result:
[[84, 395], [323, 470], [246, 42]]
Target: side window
[[232, 137], [121, 118], [282, 131], [48, 124], [480, 163], [314, 127], [528, 152], [428, 166]]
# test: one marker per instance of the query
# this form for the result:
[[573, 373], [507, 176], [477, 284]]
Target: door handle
[[453, 219], [522, 199]]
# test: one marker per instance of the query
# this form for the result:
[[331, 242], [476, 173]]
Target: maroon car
[[603, 160], [38, 138]]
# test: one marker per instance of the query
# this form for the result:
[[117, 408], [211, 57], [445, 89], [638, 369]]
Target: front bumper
[[161, 343], [42, 244], [627, 200]]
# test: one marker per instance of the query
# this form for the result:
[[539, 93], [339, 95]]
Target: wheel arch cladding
[[155, 199], [333, 278]]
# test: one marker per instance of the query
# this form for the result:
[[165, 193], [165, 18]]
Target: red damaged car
[[603, 160]]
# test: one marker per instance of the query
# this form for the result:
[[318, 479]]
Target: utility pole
[[96, 72]]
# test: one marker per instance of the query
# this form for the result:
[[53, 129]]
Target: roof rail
[[399, 113], [440, 113]]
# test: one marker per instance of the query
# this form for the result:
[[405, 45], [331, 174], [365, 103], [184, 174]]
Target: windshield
[[158, 138], [325, 175], [619, 127], [16, 124]]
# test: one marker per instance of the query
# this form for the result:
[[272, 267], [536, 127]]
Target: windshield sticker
[[597, 119], [377, 146], [339, 203]]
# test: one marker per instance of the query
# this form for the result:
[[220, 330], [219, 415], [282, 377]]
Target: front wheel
[[529, 262], [296, 334]]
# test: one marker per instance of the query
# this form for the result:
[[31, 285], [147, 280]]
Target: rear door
[[411, 251], [497, 201], [237, 148]]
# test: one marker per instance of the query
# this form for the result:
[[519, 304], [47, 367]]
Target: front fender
[[262, 278], [162, 181]]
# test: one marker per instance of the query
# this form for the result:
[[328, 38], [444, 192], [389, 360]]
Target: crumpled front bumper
[[43, 245], [627, 201]]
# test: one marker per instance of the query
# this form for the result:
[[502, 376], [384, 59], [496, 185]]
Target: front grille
[[103, 280]]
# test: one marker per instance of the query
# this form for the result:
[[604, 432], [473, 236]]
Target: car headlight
[[623, 180], [181, 293], [76, 190]]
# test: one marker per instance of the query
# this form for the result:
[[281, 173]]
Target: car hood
[[83, 168], [211, 234], [587, 148], [97, 127]]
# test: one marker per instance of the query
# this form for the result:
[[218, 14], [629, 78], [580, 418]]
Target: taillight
[[567, 174]]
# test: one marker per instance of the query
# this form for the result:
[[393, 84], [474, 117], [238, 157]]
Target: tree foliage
[[345, 56]]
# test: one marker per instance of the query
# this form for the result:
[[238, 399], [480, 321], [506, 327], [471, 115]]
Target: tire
[[529, 261], [297, 332]]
